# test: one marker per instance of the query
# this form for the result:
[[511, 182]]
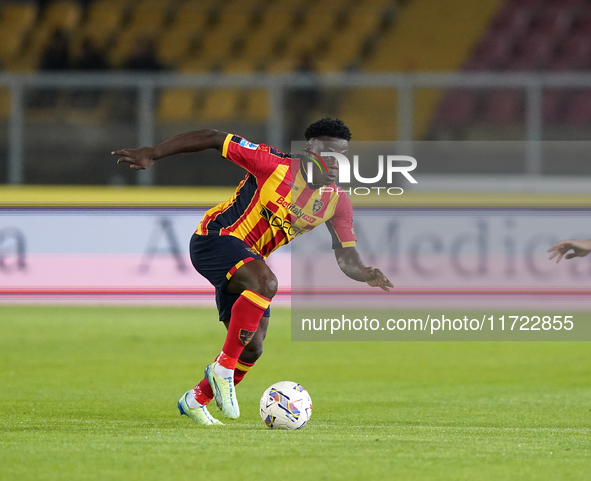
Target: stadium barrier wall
[[70, 244]]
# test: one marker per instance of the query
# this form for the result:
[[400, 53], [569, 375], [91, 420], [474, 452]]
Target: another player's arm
[[580, 249], [353, 267], [195, 141]]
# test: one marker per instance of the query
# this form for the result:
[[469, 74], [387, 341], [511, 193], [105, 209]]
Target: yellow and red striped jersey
[[274, 204]]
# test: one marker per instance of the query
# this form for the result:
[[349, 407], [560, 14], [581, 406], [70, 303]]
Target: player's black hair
[[328, 127]]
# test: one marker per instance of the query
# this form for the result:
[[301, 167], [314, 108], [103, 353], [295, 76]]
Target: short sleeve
[[340, 225], [258, 159]]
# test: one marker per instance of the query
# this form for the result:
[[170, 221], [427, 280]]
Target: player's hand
[[580, 249], [376, 278], [138, 159]]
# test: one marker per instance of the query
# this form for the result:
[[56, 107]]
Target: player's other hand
[[580, 249], [376, 278], [138, 159]]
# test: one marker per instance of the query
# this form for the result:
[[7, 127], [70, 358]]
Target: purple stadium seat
[[574, 53], [552, 105], [493, 53], [512, 22], [532, 53], [503, 107], [571, 4], [457, 108], [583, 21], [553, 22], [527, 3], [578, 110]]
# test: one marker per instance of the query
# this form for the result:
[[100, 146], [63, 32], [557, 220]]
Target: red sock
[[246, 314], [203, 392], [241, 369]]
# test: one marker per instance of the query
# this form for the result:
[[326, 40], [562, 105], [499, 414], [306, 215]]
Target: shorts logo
[[245, 336], [317, 206], [248, 145]]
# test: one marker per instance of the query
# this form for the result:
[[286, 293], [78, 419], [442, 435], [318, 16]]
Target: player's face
[[327, 144]]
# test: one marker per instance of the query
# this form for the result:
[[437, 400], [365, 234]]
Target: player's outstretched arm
[[352, 266], [580, 249], [195, 141]]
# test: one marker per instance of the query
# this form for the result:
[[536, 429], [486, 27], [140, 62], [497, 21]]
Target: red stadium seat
[[512, 22], [583, 22], [493, 53], [578, 110], [554, 22], [503, 107], [457, 108], [527, 3], [534, 52], [552, 106], [574, 53], [571, 4]]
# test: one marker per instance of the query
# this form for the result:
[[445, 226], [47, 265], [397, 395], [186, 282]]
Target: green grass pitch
[[90, 393]]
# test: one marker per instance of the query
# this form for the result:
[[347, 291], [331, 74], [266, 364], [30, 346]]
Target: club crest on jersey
[[248, 145], [317, 206], [245, 336]]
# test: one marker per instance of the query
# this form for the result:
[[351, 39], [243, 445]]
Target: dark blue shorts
[[217, 258]]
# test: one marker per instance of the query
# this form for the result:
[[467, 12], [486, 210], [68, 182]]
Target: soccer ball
[[286, 405]]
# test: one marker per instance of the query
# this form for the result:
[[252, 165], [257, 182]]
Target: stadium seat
[[526, 3], [176, 105], [553, 22], [533, 52], [276, 22], [4, 104], [552, 106], [512, 22], [257, 106], [173, 46], [503, 107], [103, 18], [18, 16], [260, 45], [574, 53], [583, 21], [570, 4], [195, 65], [578, 110], [342, 50], [457, 108], [304, 42], [217, 45], [192, 14], [493, 53], [283, 65], [64, 14], [240, 66], [148, 16], [365, 21], [370, 113], [220, 105], [10, 43]]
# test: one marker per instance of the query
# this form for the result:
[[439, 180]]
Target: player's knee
[[268, 285], [252, 351]]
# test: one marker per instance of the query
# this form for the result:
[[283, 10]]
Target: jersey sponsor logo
[[248, 145], [276, 221], [295, 210], [317, 206]]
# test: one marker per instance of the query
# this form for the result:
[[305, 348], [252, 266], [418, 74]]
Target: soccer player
[[271, 206], [580, 249]]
